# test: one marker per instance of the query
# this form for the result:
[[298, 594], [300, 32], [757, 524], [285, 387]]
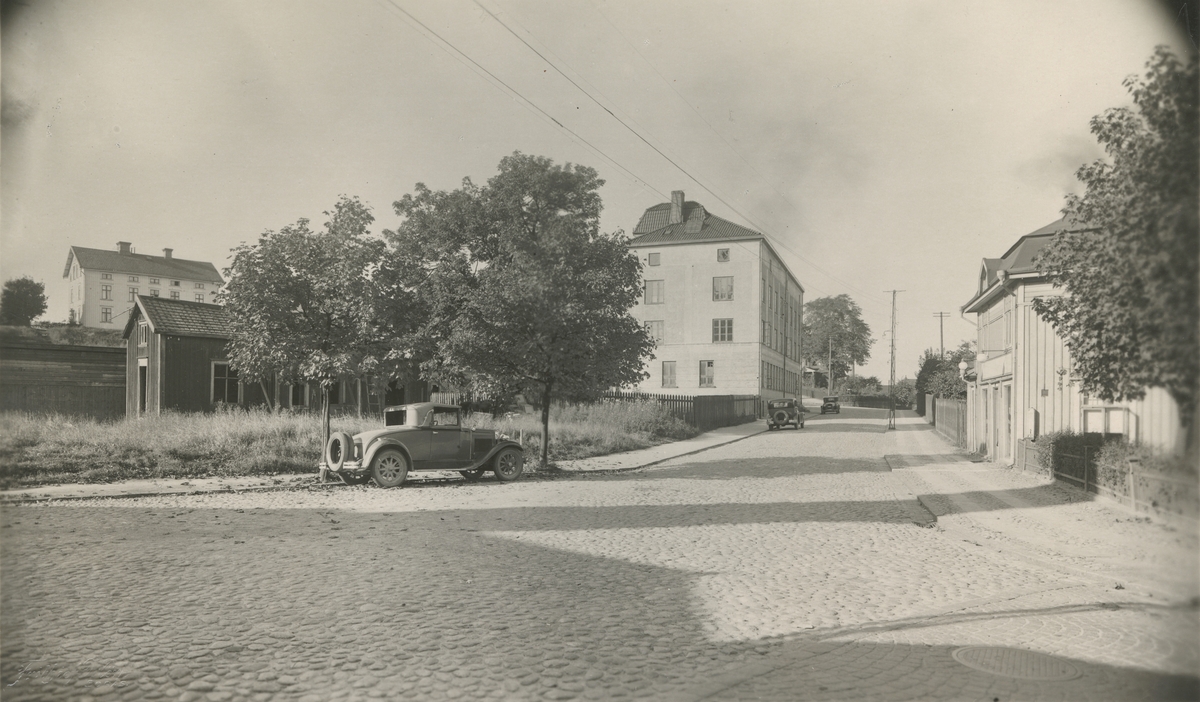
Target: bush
[[1179, 492]]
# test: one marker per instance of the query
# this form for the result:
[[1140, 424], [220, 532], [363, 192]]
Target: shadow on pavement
[[424, 605], [778, 467]]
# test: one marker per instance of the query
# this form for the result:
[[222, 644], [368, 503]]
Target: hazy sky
[[882, 144]]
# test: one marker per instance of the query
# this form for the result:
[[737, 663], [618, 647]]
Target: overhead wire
[[660, 152]]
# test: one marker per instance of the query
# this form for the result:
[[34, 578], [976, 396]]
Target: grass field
[[44, 450]]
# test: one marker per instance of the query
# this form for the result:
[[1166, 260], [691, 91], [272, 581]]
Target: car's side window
[[445, 418]]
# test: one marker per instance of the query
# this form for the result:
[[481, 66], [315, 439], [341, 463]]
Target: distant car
[[830, 404], [421, 436], [781, 413]]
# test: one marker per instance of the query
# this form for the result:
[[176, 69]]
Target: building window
[[722, 330], [174, 283], [722, 255], [199, 286], [335, 393], [225, 383], [299, 395], [655, 329], [707, 376], [154, 281], [105, 292], [143, 334], [199, 297], [106, 276], [655, 292], [154, 292], [655, 259], [132, 293], [133, 279], [668, 374], [106, 315], [174, 294], [723, 287]]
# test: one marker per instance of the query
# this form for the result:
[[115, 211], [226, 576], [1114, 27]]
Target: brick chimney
[[167, 253], [676, 207], [123, 247]]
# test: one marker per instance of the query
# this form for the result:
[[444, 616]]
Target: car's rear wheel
[[509, 464], [389, 468], [472, 475], [338, 449]]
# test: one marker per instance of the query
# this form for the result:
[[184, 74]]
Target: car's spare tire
[[338, 450], [780, 416]]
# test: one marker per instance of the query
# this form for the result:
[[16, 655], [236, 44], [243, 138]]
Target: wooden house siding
[[74, 380], [187, 372]]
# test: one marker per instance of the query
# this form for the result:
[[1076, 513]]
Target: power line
[[660, 152]]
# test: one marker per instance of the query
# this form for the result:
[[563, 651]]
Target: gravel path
[[784, 566]]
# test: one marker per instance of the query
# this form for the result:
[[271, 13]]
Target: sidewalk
[[628, 460]]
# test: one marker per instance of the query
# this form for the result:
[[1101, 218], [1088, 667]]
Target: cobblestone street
[[788, 565]]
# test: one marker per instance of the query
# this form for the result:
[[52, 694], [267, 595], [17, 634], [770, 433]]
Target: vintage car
[[421, 436], [781, 413], [831, 404]]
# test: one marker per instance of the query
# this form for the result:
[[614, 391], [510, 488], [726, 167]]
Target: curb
[[33, 499]]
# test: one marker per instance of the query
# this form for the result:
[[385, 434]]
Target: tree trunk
[[278, 401], [546, 425], [262, 384], [325, 413]]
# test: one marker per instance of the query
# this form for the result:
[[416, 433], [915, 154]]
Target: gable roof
[[140, 264], [1018, 260], [698, 225], [180, 318]]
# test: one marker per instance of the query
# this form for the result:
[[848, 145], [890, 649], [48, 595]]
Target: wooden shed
[[39, 373], [176, 359]]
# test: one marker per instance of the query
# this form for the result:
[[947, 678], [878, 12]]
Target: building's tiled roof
[[182, 318], [1019, 259], [141, 264], [697, 225]]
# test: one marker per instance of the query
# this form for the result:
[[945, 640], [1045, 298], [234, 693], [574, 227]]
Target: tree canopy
[[526, 294], [1129, 262], [308, 306], [940, 376], [834, 325], [22, 301]]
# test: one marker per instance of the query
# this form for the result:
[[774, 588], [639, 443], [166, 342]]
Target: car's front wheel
[[389, 468], [509, 464]]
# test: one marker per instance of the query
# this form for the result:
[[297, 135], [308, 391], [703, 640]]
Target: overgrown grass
[[44, 450]]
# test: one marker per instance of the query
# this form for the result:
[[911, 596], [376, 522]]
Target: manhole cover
[[1016, 663]]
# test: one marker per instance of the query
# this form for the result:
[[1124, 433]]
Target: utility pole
[[829, 368], [892, 379], [941, 332]]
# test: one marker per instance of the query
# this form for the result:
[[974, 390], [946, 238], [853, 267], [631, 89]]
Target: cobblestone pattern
[[779, 567]]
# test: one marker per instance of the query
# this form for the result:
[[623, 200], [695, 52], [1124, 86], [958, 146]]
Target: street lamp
[[962, 370]]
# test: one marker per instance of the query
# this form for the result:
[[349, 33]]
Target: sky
[[880, 145]]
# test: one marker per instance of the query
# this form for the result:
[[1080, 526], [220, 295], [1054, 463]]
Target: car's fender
[[378, 444], [500, 445]]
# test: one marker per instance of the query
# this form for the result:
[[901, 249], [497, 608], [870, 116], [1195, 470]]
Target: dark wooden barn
[[39, 373]]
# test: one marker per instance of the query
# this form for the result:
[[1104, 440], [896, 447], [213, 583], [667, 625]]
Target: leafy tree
[[527, 295], [939, 376], [1129, 263], [22, 301], [905, 392], [308, 306], [833, 326], [858, 385]]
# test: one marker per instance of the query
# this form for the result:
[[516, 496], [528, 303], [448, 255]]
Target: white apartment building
[[720, 303], [101, 283]]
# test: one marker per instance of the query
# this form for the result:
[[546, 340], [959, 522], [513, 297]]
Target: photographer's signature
[[89, 670]]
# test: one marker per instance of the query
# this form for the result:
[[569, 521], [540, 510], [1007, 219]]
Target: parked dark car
[[781, 413], [830, 404], [422, 436]]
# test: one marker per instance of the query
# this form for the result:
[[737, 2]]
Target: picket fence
[[701, 411]]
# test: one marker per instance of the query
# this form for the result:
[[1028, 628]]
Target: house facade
[[102, 284], [1024, 383], [176, 359], [724, 310]]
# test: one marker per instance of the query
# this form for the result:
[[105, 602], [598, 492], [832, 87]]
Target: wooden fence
[[949, 418], [54, 378], [701, 411]]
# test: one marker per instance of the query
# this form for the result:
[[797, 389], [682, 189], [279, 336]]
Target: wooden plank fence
[[701, 411], [53, 378]]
